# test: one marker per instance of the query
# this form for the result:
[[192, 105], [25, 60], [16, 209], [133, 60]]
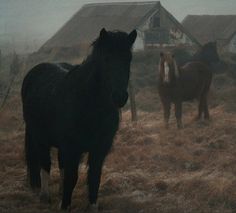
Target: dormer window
[[156, 22]]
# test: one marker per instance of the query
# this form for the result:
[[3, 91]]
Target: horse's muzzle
[[120, 99]]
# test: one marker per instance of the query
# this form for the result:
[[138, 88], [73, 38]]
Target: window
[[156, 22]]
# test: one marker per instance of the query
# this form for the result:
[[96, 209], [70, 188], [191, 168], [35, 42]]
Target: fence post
[[132, 102]]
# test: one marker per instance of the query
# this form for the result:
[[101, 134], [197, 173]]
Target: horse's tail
[[32, 161]]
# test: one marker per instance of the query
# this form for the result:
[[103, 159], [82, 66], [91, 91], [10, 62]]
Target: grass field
[[149, 170]]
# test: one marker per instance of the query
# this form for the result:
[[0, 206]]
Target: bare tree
[[14, 67], [14, 70], [0, 60]]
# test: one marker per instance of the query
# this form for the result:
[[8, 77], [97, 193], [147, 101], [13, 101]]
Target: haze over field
[[26, 24]]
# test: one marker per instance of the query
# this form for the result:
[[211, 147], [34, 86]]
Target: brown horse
[[191, 81]]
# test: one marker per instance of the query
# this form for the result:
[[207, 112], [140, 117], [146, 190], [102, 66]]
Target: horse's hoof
[[60, 192], [196, 119], [36, 190], [166, 126], [92, 208], [45, 197], [180, 126], [64, 210], [61, 210]]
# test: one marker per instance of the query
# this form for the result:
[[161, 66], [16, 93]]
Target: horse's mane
[[116, 41], [199, 55]]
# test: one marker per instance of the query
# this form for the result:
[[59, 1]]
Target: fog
[[29, 23]]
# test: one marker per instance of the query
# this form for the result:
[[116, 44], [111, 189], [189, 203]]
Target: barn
[[220, 28], [155, 25]]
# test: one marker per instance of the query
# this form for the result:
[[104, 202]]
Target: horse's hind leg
[[206, 111], [200, 108], [61, 168], [45, 164], [178, 114], [166, 106], [32, 158]]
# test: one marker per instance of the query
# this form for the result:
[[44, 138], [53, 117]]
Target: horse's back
[[38, 88], [195, 66], [195, 76], [196, 72]]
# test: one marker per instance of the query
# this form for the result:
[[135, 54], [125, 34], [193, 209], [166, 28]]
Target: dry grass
[[150, 169]]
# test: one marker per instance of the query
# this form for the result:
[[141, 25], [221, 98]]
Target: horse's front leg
[[178, 114], [201, 106], [206, 111], [167, 107], [95, 161], [71, 163]]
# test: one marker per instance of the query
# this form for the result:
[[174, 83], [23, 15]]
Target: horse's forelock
[[164, 68], [115, 39], [166, 72]]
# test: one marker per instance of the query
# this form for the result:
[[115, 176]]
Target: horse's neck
[[199, 57], [91, 76]]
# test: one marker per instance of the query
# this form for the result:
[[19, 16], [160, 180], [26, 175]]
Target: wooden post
[[132, 103]]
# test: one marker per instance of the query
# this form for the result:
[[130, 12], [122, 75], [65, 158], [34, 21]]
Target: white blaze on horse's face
[[176, 69], [166, 72]]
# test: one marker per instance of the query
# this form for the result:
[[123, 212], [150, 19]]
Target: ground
[[150, 169]]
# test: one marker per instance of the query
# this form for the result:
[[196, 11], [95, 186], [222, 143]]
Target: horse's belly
[[88, 133], [189, 89], [189, 94]]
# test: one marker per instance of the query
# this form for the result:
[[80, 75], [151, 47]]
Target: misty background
[[26, 24]]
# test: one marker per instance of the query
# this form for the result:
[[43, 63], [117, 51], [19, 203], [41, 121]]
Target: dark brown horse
[[191, 81], [76, 109]]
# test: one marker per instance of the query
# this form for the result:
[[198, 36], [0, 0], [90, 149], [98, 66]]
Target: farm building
[[220, 28], [155, 25]]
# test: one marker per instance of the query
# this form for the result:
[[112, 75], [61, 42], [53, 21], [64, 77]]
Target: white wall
[[139, 43]]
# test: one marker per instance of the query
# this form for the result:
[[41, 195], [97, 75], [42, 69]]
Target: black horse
[[191, 81], [76, 109]]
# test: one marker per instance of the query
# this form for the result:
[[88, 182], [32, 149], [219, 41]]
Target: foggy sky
[[37, 20]]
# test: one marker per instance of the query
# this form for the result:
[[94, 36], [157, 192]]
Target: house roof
[[91, 18], [210, 27], [86, 24]]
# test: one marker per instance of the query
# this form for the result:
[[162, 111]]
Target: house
[[155, 26], [220, 28]]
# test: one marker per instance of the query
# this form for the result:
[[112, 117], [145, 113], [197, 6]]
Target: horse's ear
[[173, 55], [132, 37], [103, 33], [161, 54]]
